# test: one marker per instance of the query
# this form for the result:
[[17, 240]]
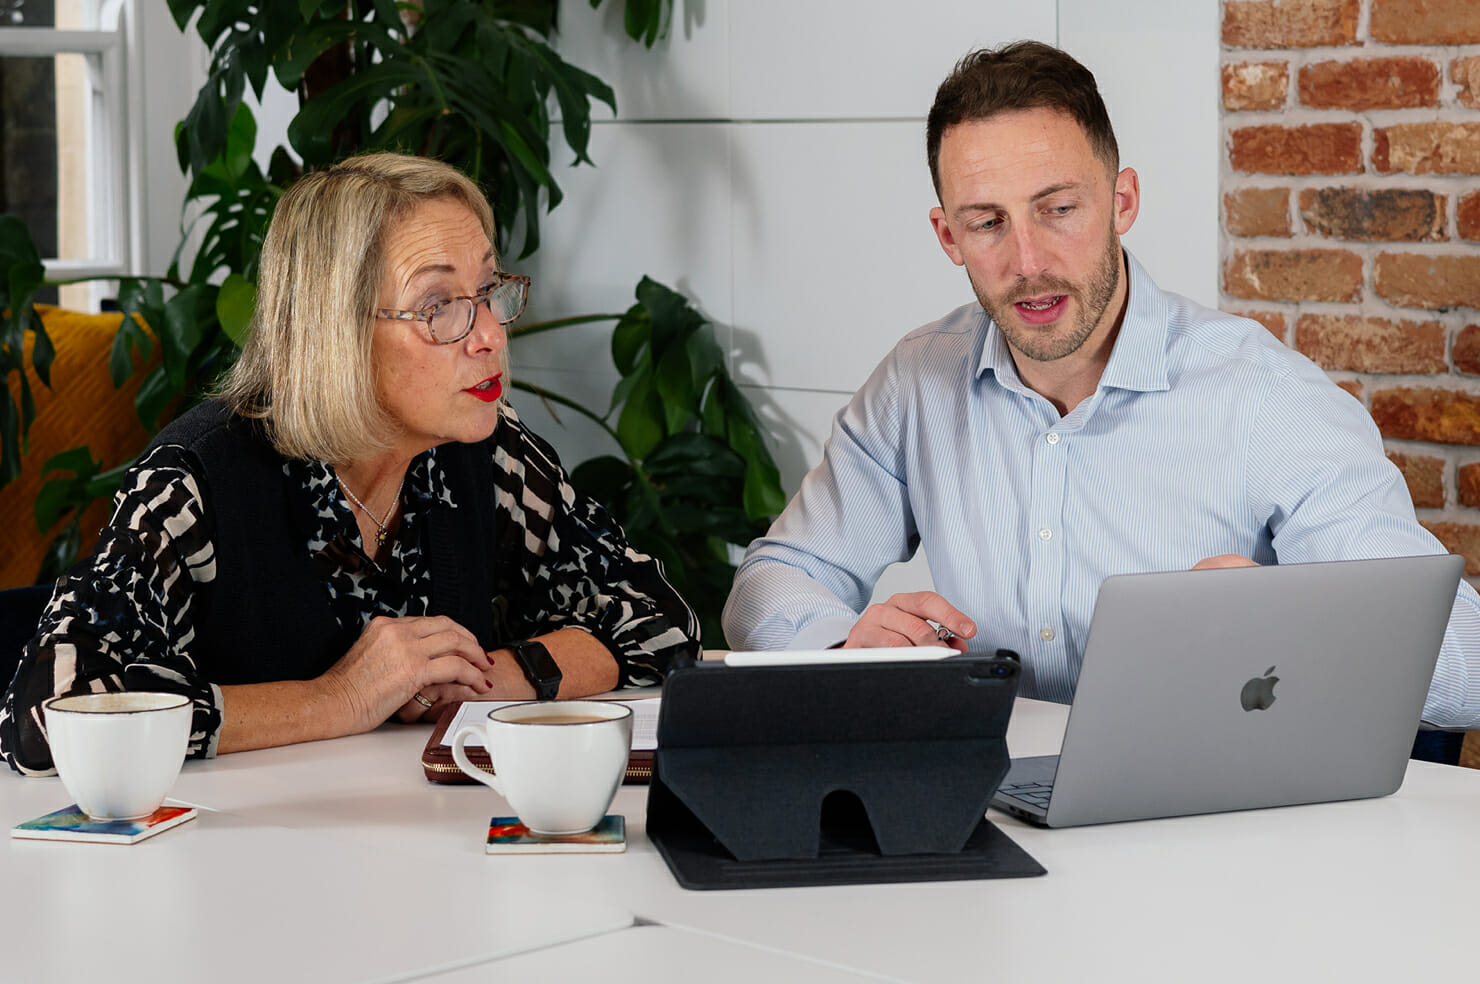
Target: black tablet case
[[779, 776]]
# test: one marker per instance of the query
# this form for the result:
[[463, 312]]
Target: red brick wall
[[1351, 218]]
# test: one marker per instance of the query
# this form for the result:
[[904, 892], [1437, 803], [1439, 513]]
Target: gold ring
[[421, 700]]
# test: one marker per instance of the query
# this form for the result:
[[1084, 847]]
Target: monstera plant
[[478, 84]]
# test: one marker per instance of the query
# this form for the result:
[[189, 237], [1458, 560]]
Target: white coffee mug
[[118, 754], [557, 763]]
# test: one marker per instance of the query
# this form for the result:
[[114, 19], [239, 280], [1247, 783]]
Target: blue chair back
[[1443, 747], [20, 610]]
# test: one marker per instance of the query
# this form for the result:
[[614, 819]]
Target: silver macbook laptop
[[1204, 691]]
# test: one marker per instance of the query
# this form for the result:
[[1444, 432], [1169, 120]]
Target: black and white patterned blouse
[[156, 551]]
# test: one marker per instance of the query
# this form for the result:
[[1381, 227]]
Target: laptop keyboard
[[1036, 793]]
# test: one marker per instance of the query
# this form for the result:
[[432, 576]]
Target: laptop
[[1243, 688]]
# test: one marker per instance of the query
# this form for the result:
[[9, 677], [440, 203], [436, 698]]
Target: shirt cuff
[[824, 633], [214, 738]]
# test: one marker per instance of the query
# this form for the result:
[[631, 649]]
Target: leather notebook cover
[[436, 758]]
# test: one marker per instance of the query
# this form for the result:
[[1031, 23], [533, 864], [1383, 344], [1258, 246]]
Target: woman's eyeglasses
[[450, 320]]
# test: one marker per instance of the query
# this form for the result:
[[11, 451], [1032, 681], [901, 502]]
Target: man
[[1078, 422]]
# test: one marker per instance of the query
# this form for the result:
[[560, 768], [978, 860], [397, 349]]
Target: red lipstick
[[488, 390]]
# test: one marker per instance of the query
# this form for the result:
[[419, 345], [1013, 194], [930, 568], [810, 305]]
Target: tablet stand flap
[[767, 801], [877, 772]]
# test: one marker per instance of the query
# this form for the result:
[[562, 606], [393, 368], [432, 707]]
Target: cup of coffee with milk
[[557, 763]]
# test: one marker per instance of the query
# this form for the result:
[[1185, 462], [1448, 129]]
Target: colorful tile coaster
[[506, 835], [72, 824]]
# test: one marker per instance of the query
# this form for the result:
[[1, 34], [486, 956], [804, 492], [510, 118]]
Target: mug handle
[[464, 763]]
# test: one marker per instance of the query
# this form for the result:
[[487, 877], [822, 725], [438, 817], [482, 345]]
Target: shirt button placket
[[1047, 559]]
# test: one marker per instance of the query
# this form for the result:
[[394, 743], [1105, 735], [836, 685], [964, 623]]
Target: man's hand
[[901, 621], [1223, 560]]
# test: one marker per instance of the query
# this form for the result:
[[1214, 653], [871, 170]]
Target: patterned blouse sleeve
[[578, 567], [123, 619]]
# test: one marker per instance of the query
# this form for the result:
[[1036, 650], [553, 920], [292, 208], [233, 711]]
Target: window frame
[[114, 144]]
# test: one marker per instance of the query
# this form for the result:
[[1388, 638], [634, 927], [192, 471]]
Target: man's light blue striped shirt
[[1205, 436]]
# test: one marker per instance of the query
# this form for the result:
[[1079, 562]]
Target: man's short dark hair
[[1018, 76]]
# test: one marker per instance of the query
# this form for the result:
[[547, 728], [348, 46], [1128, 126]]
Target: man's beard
[[1051, 343]]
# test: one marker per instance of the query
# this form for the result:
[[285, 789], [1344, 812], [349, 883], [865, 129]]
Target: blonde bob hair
[[306, 370]]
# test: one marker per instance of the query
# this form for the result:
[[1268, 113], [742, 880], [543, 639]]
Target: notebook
[[1206, 691]]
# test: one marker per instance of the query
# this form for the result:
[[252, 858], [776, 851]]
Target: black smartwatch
[[539, 667]]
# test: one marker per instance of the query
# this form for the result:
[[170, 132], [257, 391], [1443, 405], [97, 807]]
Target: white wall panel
[[574, 437], [683, 76], [840, 59], [1165, 111], [834, 255], [171, 74], [657, 203], [797, 424]]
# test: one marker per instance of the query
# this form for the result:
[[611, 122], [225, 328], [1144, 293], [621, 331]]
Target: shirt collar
[[1139, 359], [426, 484], [427, 481]]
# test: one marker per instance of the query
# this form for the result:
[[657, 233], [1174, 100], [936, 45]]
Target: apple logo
[[1258, 693]]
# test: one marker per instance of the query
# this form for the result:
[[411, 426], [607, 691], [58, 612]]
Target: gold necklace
[[381, 536]]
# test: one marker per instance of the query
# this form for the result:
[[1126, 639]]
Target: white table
[[1376, 890], [337, 861], [646, 953]]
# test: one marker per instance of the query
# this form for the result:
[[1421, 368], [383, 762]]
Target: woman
[[359, 527]]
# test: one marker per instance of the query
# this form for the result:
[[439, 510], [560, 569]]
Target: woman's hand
[[396, 658]]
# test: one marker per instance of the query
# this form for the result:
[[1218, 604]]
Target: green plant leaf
[[695, 454], [574, 89], [673, 318], [712, 413], [24, 273], [706, 358], [647, 20], [154, 397], [188, 317], [53, 499], [629, 337], [202, 134], [43, 352], [675, 385], [105, 484], [77, 460], [10, 438], [241, 141], [216, 17], [61, 553], [605, 479], [305, 45], [234, 306], [311, 131], [444, 27], [58, 495], [183, 10], [132, 345], [143, 296], [28, 413], [763, 497], [640, 424]]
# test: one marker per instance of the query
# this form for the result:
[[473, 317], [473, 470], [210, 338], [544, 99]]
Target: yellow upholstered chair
[[81, 409]]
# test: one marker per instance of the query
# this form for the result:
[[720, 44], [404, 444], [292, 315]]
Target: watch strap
[[539, 667]]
